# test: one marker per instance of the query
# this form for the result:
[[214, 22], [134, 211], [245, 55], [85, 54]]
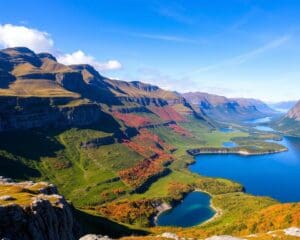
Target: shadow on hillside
[[36, 143], [16, 170], [100, 225], [32, 144], [105, 124]]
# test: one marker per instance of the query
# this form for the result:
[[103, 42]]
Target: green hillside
[[115, 149]]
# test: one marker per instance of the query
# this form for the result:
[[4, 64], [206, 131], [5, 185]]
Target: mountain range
[[119, 150], [229, 109], [290, 122], [283, 106]]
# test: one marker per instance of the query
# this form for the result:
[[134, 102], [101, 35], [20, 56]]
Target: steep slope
[[36, 86], [290, 123], [35, 211], [228, 109], [117, 150]]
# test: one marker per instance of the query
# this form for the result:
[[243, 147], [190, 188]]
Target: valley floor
[[106, 203]]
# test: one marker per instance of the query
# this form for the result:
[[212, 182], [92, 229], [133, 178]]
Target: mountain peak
[[18, 51], [47, 55]]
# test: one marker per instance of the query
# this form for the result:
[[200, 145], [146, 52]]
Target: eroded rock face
[[293, 231], [35, 211], [28, 113], [95, 237]]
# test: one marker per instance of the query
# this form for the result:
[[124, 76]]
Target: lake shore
[[218, 211], [163, 207], [237, 151]]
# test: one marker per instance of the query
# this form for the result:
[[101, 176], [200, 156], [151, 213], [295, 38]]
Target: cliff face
[[32, 112], [35, 211], [37, 91]]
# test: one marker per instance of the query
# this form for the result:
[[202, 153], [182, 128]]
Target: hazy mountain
[[290, 123], [229, 109], [283, 106]]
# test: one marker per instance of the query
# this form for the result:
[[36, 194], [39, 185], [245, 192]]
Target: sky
[[236, 48]]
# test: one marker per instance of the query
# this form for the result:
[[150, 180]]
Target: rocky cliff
[[33, 112], [32, 211], [37, 91]]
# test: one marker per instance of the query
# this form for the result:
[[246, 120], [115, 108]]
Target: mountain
[[290, 122], [37, 91], [283, 106], [117, 150], [228, 109]]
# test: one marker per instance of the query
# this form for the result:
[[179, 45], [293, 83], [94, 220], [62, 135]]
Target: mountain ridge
[[229, 109]]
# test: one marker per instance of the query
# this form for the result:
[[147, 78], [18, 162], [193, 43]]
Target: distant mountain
[[283, 106], [290, 123], [38, 91], [229, 109], [105, 144]]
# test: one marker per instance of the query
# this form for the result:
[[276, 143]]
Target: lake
[[274, 175], [193, 210], [229, 144]]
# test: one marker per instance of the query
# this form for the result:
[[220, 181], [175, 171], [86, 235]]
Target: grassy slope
[[89, 177]]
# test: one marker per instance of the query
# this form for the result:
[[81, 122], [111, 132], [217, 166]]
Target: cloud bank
[[20, 36], [80, 57], [40, 41]]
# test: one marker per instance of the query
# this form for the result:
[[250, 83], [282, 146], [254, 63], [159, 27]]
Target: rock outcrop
[[32, 211], [26, 113], [95, 237]]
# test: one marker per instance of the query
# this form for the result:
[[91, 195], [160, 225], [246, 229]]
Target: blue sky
[[236, 48]]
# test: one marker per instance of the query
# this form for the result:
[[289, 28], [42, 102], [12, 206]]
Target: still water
[[274, 175], [193, 210]]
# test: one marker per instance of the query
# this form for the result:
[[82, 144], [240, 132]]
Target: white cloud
[[20, 36], [40, 41], [80, 57]]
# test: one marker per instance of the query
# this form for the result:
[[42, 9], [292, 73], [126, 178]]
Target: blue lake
[[274, 175], [194, 209], [264, 128], [229, 144], [259, 120], [226, 130]]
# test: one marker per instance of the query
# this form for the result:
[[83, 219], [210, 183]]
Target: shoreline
[[163, 207], [224, 151], [218, 211], [196, 152]]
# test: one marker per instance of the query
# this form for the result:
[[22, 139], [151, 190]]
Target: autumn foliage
[[132, 120], [154, 150], [177, 190], [132, 212], [167, 113], [178, 129]]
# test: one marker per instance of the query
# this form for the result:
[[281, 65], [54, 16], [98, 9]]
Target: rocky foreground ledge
[[34, 211]]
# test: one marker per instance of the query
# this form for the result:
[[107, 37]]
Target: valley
[[121, 151]]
